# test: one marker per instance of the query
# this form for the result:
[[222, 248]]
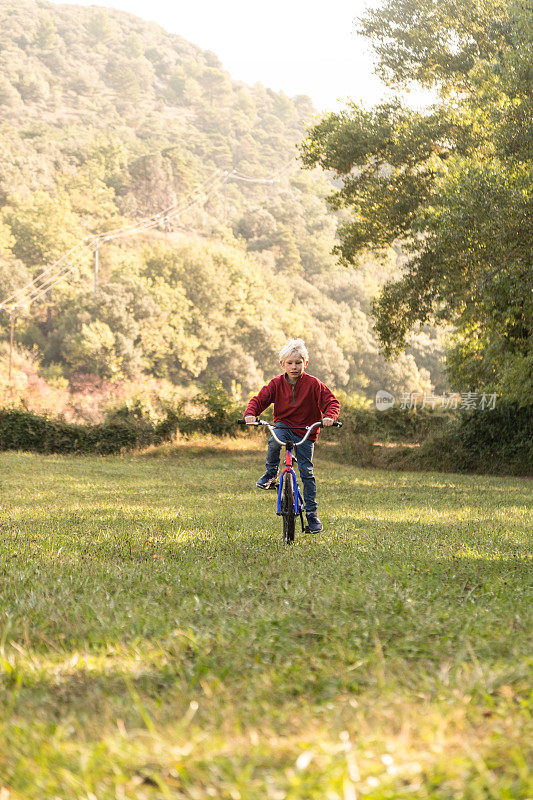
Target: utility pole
[[12, 327], [95, 271]]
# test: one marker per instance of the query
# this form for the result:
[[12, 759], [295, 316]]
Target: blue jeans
[[304, 456]]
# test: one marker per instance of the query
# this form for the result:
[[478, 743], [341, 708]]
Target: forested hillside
[[106, 119]]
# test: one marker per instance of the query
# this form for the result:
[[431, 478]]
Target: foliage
[[12, 270], [214, 292], [498, 442], [222, 410], [23, 430], [452, 183], [43, 227], [130, 425], [365, 429], [437, 43], [84, 398], [394, 424]]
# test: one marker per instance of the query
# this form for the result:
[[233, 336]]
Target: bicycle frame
[[288, 469]]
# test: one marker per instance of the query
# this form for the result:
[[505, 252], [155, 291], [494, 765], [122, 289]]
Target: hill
[[106, 119]]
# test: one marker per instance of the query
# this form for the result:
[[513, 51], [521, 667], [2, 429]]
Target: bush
[[138, 416], [220, 413], [23, 430], [499, 441], [126, 427], [362, 426]]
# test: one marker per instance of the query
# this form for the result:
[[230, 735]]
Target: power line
[[44, 272], [52, 279], [72, 259], [155, 218], [23, 296], [26, 295], [59, 278], [275, 178]]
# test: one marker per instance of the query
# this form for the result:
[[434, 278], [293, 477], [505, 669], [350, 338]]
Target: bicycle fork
[[288, 471]]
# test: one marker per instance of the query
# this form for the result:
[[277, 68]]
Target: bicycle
[[290, 502]]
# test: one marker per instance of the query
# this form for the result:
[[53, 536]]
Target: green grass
[[159, 641]]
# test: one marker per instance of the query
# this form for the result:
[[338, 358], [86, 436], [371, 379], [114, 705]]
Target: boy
[[299, 400]]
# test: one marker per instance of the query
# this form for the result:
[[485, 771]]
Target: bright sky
[[297, 46]]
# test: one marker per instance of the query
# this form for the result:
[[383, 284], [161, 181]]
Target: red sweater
[[297, 406]]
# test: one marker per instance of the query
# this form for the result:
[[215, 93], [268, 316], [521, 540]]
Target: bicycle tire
[[287, 509]]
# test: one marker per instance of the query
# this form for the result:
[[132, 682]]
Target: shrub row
[[394, 424], [126, 427], [23, 430], [499, 441], [363, 427]]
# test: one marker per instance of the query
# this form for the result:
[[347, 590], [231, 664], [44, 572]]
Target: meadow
[[159, 641]]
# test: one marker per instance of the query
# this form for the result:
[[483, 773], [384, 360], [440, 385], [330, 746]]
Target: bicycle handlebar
[[308, 428]]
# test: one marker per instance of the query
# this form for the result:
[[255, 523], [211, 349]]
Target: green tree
[[452, 184], [44, 227], [46, 37], [13, 274], [93, 350], [99, 27], [150, 118], [9, 96], [212, 315], [216, 85], [69, 331], [437, 43]]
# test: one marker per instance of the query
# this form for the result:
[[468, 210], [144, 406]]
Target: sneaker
[[313, 523], [267, 481]]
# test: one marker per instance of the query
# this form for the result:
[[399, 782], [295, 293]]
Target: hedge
[[24, 430], [394, 424], [499, 441]]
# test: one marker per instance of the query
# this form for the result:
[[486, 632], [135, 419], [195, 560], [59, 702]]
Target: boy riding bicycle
[[299, 400]]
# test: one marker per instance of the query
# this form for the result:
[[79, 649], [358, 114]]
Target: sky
[[295, 46]]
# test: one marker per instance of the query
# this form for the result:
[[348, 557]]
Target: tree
[[103, 335], [13, 274], [216, 85], [44, 227], [46, 37], [94, 351], [451, 183], [436, 42], [99, 27]]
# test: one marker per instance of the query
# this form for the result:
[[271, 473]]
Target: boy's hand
[[249, 418], [327, 422]]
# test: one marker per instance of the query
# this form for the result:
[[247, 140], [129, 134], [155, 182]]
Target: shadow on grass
[[127, 585], [249, 644]]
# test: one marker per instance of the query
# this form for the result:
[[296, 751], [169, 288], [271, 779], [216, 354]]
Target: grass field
[[158, 641]]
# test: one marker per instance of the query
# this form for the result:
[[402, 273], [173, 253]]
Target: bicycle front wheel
[[287, 509]]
